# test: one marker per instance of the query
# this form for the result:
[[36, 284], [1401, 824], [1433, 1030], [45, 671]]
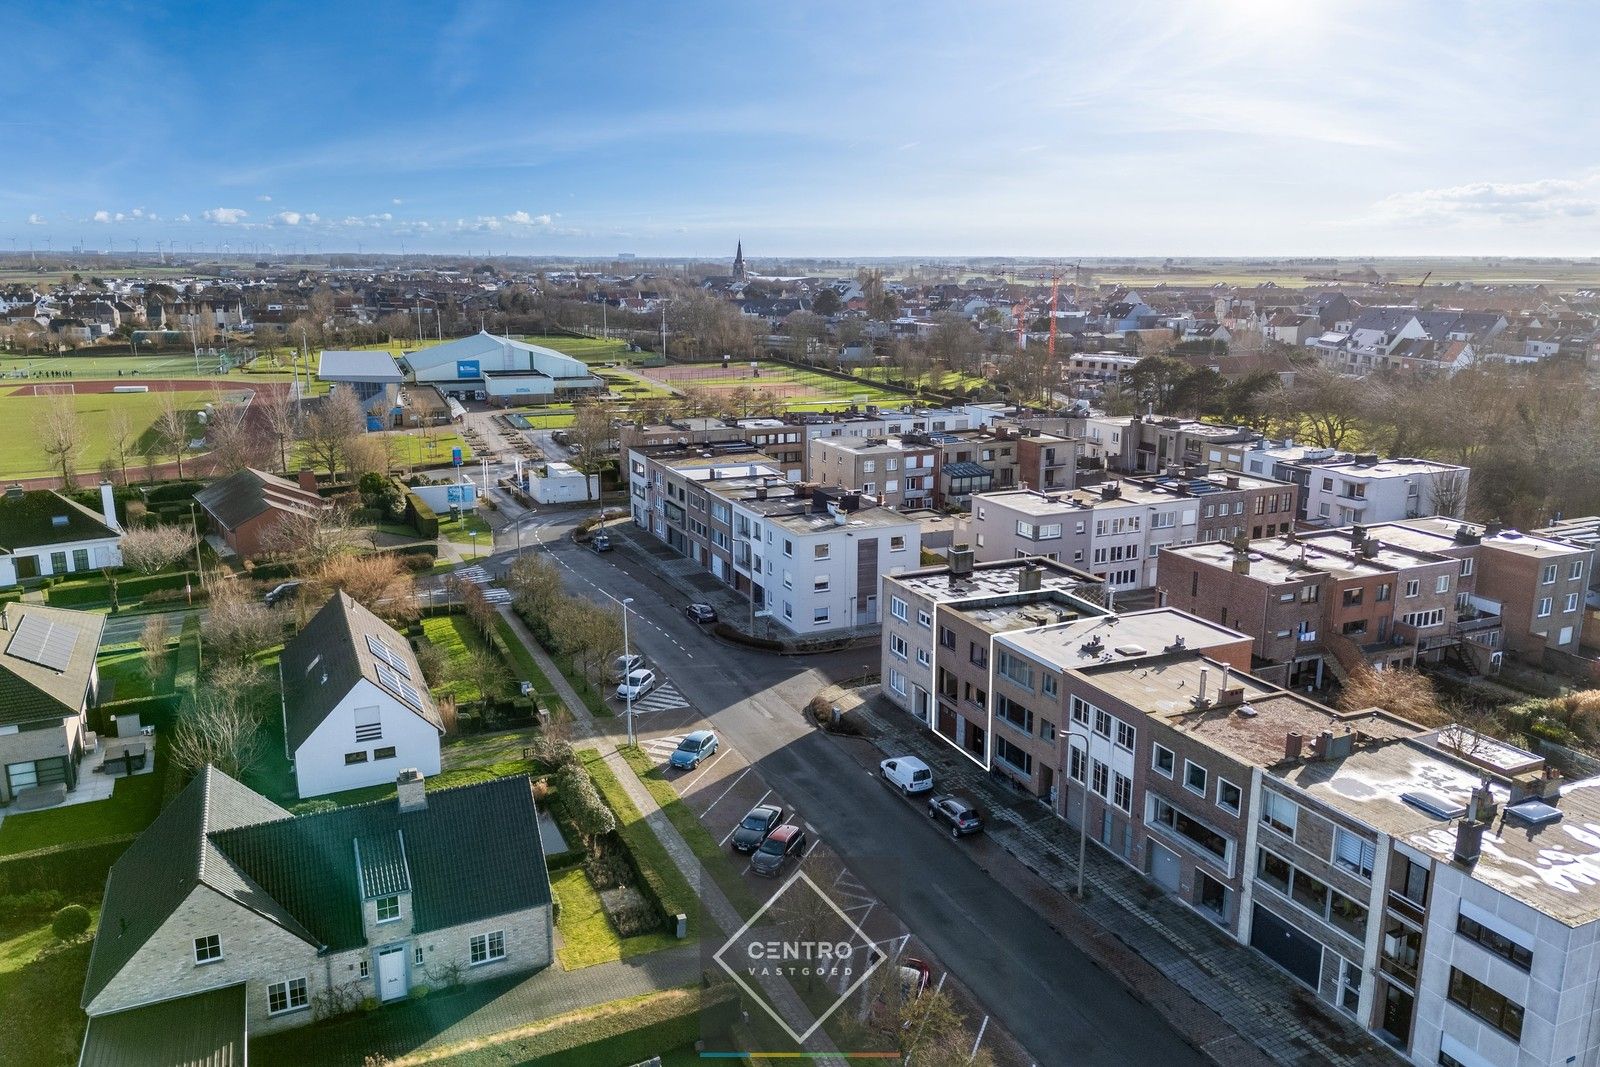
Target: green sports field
[[20, 456], [164, 366]]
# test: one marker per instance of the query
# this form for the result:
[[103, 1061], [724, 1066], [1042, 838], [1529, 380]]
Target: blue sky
[[1225, 127]]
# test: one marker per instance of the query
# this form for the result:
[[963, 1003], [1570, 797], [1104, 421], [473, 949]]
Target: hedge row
[[421, 517], [72, 869], [659, 878], [169, 492], [98, 590]]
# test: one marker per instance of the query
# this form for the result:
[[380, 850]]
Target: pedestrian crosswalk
[[481, 578], [664, 697], [495, 595], [661, 748]]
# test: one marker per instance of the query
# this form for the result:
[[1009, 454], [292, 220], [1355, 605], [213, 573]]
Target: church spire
[[739, 273]]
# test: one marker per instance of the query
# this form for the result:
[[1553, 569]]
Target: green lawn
[[712, 856], [455, 636], [587, 936], [138, 370], [461, 530], [41, 1025], [133, 805], [527, 670], [21, 946], [677, 895], [405, 448], [20, 456]]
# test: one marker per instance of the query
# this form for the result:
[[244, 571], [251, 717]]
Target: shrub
[[33, 904], [70, 922], [314, 807], [421, 517]]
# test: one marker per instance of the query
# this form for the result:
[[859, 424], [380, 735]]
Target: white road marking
[[728, 790]]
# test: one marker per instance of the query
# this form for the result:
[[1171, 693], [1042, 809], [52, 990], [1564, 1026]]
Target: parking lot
[[722, 789]]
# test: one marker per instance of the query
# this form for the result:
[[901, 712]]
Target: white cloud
[[288, 218], [522, 218], [102, 216], [1535, 201], [184, 217], [35, 219], [397, 201], [264, 199], [226, 216]]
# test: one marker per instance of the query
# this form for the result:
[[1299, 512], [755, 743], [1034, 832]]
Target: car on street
[[961, 814], [700, 613], [914, 976], [623, 666], [600, 542], [638, 682], [702, 744], [786, 842], [754, 827], [280, 593], [908, 774]]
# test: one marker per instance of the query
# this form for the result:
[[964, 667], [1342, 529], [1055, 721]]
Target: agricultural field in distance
[[800, 389]]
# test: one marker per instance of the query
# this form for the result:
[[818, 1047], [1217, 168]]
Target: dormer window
[[388, 909]]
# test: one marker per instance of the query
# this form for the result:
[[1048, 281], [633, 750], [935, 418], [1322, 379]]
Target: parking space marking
[[728, 790], [706, 766]]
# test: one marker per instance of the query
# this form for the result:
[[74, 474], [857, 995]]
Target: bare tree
[[239, 625], [379, 582], [172, 427], [154, 638], [333, 423], [1448, 494], [590, 634], [119, 429], [591, 437], [60, 436], [311, 537], [228, 434], [280, 413], [483, 670], [148, 549], [223, 729]]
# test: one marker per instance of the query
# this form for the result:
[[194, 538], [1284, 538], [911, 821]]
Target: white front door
[[392, 973]]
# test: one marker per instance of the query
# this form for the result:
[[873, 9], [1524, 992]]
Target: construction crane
[[1055, 285], [1420, 284]]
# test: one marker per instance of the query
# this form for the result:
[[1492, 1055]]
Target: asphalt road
[[1052, 999]]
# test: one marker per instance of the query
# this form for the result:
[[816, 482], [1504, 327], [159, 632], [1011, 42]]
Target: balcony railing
[[1306, 636], [1408, 909]]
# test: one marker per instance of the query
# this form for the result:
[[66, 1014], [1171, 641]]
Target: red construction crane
[[1055, 283]]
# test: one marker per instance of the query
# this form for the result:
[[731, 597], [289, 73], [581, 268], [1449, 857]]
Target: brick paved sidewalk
[[1222, 995]]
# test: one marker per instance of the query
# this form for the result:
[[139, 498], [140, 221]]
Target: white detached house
[[355, 705]]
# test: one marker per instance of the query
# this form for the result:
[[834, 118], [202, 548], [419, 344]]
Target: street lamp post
[[1083, 815], [626, 678]]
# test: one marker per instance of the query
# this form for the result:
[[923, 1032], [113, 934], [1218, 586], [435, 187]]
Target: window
[[1017, 671], [1548, 575], [1080, 711], [897, 543], [1122, 792], [821, 551], [384, 753], [1188, 828], [1228, 796], [821, 585], [1163, 760], [416, 955], [1466, 567], [287, 996], [1279, 812], [1495, 942], [485, 948], [897, 646], [1102, 723], [80, 559], [1075, 763], [1570, 604], [1012, 755], [1099, 777], [1275, 871], [1125, 735], [1354, 853], [897, 682], [1194, 777], [1442, 585], [1413, 587], [819, 616], [353, 758], [1423, 619], [1577, 569], [388, 909], [924, 658], [363, 969], [788, 547], [207, 949], [1349, 991], [1544, 607], [947, 637], [1310, 893], [1481, 1000], [924, 620], [1049, 686]]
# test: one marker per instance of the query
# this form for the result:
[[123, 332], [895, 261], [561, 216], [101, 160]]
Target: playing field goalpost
[[53, 389]]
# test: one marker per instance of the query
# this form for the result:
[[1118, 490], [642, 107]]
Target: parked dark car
[[755, 827], [280, 593], [960, 813], [600, 542], [786, 842], [701, 613]]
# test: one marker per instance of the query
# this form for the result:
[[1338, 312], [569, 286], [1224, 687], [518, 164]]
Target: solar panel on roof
[[45, 642], [385, 654], [404, 690]]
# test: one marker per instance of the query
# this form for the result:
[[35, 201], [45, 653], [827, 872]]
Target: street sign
[[455, 456]]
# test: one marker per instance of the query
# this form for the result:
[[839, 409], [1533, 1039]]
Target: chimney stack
[[1469, 841], [960, 561], [108, 505], [1358, 537], [308, 479], [1200, 697], [411, 790], [1321, 745], [1293, 746], [1029, 578]]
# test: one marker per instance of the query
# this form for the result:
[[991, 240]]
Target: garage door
[[1297, 952]]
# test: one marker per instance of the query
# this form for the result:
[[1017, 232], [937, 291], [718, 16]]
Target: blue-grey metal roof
[[337, 365], [968, 470]]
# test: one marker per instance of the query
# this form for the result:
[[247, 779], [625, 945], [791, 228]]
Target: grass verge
[[528, 669], [712, 856]]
